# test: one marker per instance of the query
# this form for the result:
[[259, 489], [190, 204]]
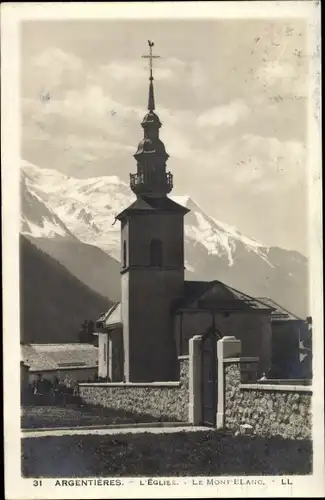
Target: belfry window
[[156, 253], [124, 253]]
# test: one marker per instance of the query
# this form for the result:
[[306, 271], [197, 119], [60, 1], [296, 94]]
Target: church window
[[124, 253], [156, 253]]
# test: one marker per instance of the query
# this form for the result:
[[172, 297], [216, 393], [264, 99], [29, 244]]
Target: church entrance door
[[209, 379]]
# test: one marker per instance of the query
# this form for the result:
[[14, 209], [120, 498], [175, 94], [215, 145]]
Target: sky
[[231, 95]]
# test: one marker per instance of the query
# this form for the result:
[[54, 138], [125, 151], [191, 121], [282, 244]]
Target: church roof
[[197, 295], [279, 313], [46, 357], [148, 204], [111, 319], [218, 296]]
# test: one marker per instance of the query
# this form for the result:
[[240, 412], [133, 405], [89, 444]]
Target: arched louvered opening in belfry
[[124, 253], [156, 253]]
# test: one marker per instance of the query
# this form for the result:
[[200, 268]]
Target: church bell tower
[[152, 260]]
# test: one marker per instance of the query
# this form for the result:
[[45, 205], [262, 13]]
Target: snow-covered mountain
[[218, 238], [38, 219], [86, 208], [44, 228]]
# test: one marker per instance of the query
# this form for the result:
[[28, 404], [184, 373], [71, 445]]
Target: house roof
[[279, 313], [43, 357], [148, 204], [218, 296], [111, 319]]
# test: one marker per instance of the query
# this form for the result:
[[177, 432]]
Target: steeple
[[151, 100], [151, 179]]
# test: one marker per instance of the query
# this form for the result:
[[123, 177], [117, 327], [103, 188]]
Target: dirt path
[[109, 431]]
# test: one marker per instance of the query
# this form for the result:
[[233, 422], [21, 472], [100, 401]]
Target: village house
[[77, 362], [24, 376]]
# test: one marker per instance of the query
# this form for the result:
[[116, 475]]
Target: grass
[[179, 454], [33, 417]]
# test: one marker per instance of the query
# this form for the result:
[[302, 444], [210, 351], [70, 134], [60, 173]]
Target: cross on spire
[[150, 57]]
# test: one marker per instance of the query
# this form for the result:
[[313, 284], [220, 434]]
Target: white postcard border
[[12, 14]]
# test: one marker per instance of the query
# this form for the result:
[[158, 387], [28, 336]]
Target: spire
[[151, 178], [151, 100]]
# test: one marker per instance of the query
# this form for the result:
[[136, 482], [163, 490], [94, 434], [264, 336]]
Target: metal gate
[[209, 378]]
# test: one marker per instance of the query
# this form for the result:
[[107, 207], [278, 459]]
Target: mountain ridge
[[213, 249], [53, 302]]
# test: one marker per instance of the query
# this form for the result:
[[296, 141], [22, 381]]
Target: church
[[141, 338]]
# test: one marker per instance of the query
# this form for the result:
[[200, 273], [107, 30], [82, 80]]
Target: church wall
[[116, 371], [176, 329], [166, 227], [110, 355], [154, 402], [125, 319], [147, 295], [191, 324], [103, 355], [285, 354], [152, 348], [254, 330], [125, 238]]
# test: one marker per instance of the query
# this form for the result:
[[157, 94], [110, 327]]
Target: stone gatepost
[[227, 348], [195, 382]]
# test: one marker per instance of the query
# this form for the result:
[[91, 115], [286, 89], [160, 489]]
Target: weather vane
[[150, 57]]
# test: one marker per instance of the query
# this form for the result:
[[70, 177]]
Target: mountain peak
[[106, 196], [37, 218], [85, 209]]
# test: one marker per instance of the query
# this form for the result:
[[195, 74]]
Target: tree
[[83, 332]]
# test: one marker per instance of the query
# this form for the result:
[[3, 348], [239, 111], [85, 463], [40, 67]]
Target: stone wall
[[164, 401], [270, 409]]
